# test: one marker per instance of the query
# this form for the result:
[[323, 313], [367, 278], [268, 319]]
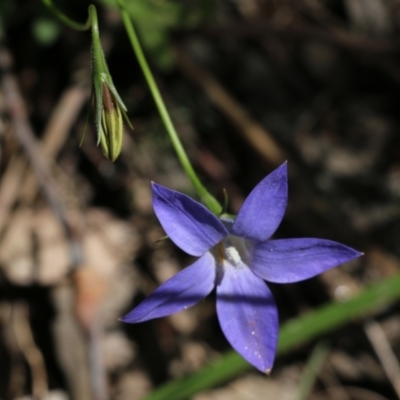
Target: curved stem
[[204, 195], [99, 61], [66, 20], [96, 43]]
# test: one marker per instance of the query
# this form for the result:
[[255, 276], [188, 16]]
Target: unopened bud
[[109, 108], [112, 129]]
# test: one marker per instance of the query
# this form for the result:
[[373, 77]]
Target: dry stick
[[28, 348], [10, 184], [56, 132], [14, 184], [54, 138], [253, 132], [41, 169], [330, 380], [385, 353], [311, 371], [17, 374], [71, 345], [37, 159]]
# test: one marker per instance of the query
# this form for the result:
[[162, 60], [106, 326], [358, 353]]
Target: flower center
[[234, 250]]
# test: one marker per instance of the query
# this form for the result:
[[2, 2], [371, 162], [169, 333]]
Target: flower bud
[[111, 125], [109, 108]]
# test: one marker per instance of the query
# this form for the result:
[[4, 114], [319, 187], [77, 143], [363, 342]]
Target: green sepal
[[112, 129]]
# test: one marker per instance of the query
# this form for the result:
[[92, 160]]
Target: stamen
[[220, 253]]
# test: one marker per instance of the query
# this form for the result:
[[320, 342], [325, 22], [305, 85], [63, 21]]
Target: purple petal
[[189, 224], [293, 260], [183, 290], [263, 210], [248, 316]]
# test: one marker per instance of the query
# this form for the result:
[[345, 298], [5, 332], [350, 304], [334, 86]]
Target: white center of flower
[[232, 255], [234, 250]]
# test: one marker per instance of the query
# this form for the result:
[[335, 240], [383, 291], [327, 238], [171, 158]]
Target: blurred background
[[249, 84]]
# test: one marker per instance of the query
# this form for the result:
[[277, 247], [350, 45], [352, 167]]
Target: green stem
[[96, 43], [99, 68], [204, 195], [66, 20]]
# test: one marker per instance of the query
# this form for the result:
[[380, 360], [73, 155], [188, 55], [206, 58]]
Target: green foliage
[[156, 18], [46, 31]]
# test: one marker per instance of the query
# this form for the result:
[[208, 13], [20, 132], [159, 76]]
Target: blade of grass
[[293, 333], [311, 371]]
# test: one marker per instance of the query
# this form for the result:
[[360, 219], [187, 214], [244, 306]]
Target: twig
[[37, 158], [9, 186], [31, 352], [99, 380], [70, 342], [41, 164], [330, 380], [57, 130], [311, 371], [14, 183], [383, 350], [17, 375]]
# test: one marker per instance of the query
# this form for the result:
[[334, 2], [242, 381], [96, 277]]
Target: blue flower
[[235, 257]]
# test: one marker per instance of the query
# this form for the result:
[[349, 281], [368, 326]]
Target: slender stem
[[66, 20], [98, 69], [204, 195], [96, 43]]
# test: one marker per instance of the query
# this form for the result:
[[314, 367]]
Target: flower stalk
[[206, 198], [78, 26]]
